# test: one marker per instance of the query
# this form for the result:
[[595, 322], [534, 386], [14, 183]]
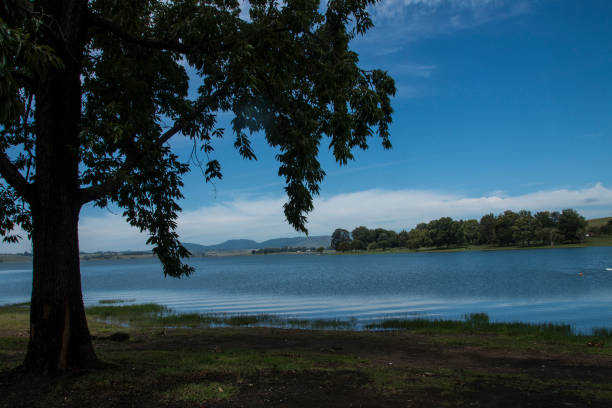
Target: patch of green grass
[[132, 315], [11, 351], [478, 328], [13, 343], [598, 222], [500, 334], [473, 322], [146, 309], [219, 319], [390, 381], [238, 362], [153, 315], [201, 392], [457, 384], [605, 240], [15, 317]]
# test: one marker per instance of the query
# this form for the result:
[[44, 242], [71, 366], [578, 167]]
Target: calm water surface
[[528, 285]]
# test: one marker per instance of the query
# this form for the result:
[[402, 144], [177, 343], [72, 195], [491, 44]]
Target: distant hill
[[247, 244], [320, 241], [598, 222]]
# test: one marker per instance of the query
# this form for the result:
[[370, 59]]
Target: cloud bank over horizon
[[262, 218]]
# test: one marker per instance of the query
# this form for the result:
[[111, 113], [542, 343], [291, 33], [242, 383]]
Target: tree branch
[[153, 43], [11, 174], [132, 160]]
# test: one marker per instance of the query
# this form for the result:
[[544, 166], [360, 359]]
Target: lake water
[[527, 285]]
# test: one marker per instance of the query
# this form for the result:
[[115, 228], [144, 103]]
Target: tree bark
[[59, 337]]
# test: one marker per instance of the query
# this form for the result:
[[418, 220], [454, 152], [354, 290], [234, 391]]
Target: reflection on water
[[561, 285]]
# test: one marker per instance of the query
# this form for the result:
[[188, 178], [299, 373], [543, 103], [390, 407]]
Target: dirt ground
[[257, 367]]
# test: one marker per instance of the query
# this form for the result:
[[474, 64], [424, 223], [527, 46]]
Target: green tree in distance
[[572, 225], [340, 240], [546, 224], [358, 244], [503, 227], [487, 229], [523, 230], [364, 234], [471, 229], [92, 91]]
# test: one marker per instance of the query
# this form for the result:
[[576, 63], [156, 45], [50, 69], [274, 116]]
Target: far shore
[[605, 241], [588, 242]]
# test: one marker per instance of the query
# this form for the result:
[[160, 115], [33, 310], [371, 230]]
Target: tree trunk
[[59, 337]]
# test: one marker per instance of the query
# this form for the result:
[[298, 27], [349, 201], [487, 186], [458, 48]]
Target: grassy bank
[[418, 363]]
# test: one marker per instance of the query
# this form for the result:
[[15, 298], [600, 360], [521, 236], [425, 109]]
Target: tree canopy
[[507, 228], [92, 91], [287, 72], [339, 239]]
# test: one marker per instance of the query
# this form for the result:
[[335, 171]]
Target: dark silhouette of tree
[[471, 229], [340, 237], [572, 225], [358, 244], [364, 235], [504, 227], [487, 229]]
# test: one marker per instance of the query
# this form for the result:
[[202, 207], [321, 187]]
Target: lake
[[528, 285]]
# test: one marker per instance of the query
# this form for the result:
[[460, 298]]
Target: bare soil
[[347, 369]]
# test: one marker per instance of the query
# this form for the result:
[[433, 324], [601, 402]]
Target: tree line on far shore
[[509, 228]]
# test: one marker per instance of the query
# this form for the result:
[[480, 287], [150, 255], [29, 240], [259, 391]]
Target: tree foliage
[[507, 228], [340, 240], [572, 225], [287, 73]]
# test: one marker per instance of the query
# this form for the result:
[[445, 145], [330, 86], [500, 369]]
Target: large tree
[[340, 239], [92, 91], [572, 225]]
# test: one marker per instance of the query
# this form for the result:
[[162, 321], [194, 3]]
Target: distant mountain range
[[246, 244]]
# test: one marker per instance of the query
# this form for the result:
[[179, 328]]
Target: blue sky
[[501, 104]]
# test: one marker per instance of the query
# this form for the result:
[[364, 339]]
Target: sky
[[501, 104]]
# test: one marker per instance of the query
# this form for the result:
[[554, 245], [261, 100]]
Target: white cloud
[[405, 208], [399, 22], [263, 218], [413, 70], [479, 8]]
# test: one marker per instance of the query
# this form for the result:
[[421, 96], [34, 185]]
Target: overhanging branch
[[147, 42], [11, 174], [133, 158]]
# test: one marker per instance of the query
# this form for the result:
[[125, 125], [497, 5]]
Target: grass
[[199, 392], [15, 317], [598, 222], [154, 315], [515, 335], [521, 334], [399, 362], [106, 318], [599, 241]]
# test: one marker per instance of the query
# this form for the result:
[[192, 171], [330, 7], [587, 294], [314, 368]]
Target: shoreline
[[428, 366], [101, 256]]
